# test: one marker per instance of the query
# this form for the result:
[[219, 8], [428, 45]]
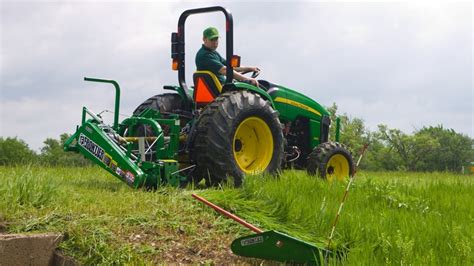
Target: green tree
[[52, 153], [15, 151], [412, 149], [380, 157], [455, 149]]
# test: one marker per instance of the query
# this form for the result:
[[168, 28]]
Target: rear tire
[[331, 160], [238, 133], [166, 104]]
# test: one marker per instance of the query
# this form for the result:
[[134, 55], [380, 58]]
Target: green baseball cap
[[210, 33]]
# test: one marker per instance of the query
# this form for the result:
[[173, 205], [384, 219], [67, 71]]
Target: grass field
[[389, 218]]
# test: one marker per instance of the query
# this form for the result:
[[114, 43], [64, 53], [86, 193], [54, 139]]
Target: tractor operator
[[207, 58]]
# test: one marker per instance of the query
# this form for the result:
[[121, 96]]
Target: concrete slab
[[28, 249]]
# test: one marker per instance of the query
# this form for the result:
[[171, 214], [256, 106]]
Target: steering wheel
[[254, 73]]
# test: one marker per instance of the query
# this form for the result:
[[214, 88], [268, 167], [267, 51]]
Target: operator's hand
[[253, 82], [254, 69]]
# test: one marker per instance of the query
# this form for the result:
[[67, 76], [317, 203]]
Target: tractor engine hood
[[293, 104]]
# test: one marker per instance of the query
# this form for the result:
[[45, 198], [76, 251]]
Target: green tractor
[[212, 131]]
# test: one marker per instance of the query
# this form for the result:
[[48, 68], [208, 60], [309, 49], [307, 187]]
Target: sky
[[405, 65]]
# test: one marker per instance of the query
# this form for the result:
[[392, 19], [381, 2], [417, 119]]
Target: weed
[[25, 189]]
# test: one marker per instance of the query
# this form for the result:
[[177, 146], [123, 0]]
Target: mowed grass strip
[[388, 218]]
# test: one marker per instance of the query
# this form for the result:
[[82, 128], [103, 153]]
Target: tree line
[[14, 151], [432, 148]]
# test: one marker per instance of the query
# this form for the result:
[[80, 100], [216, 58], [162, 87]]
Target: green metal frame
[[108, 147], [117, 97]]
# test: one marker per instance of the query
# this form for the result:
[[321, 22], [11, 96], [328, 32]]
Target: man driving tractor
[[207, 58]]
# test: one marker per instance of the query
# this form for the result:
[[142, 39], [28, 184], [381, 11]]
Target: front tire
[[239, 133], [331, 161]]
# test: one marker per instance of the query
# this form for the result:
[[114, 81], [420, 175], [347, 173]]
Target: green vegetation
[[389, 218], [14, 151], [432, 148]]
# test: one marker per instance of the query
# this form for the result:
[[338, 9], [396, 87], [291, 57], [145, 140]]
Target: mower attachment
[[270, 245], [273, 245], [136, 151], [92, 141]]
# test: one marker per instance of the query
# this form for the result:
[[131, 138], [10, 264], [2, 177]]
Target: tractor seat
[[206, 87]]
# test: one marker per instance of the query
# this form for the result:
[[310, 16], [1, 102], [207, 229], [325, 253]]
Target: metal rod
[[229, 41], [228, 214], [117, 97], [364, 148], [108, 111], [153, 143], [338, 128], [134, 139], [85, 110], [184, 169]]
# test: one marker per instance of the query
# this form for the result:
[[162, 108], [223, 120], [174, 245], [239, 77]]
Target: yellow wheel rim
[[253, 145], [337, 168]]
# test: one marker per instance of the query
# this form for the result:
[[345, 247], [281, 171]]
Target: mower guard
[[273, 245], [91, 141]]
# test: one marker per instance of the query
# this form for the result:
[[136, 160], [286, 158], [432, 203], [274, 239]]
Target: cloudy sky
[[406, 65]]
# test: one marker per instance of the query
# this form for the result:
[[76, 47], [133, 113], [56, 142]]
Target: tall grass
[[22, 188], [389, 218]]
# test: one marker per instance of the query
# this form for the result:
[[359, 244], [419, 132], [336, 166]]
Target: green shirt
[[207, 59]]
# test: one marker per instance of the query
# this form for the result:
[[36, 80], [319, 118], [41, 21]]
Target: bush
[[53, 154], [15, 151]]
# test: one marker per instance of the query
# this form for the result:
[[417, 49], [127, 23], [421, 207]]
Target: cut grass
[[389, 218], [106, 222]]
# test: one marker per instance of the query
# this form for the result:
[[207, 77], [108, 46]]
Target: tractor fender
[[245, 86]]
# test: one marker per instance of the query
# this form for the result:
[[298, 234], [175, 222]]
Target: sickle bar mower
[[271, 245], [136, 151]]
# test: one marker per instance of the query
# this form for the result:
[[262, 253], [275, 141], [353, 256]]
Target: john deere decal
[[90, 146]]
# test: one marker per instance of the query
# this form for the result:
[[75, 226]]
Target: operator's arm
[[239, 76], [246, 68]]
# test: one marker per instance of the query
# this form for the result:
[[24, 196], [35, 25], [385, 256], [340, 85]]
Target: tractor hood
[[292, 104]]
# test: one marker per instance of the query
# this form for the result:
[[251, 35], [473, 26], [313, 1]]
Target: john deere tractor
[[213, 131]]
